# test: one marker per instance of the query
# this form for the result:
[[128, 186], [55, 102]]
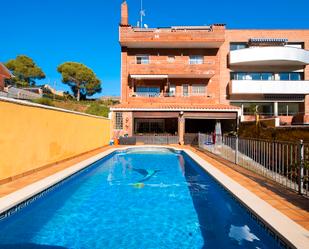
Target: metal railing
[[191, 138], [284, 162], [18, 93], [157, 139], [166, 94], [3, 94]]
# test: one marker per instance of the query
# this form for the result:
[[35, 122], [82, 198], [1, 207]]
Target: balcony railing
[[165, 95], [269, 56], [204, 37], [174, 69], [269, 87]]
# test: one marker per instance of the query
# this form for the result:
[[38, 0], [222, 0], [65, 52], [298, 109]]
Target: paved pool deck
[[289, 203]]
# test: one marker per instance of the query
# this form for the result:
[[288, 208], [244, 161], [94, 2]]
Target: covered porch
[[182, 122]]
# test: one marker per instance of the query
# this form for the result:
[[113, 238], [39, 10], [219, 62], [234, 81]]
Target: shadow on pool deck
[[29, 246], [286, 194]]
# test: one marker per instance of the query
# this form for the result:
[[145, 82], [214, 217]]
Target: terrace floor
[[291, 204]]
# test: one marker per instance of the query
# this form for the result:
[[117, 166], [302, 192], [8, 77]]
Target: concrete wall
[[33, 136]]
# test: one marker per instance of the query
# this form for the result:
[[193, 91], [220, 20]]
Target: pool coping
[[291, 232]]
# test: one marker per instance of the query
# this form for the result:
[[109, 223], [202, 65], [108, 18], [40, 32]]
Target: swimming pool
[[137, 198]]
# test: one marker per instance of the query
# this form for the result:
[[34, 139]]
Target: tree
[[80, 78], [25, 70]]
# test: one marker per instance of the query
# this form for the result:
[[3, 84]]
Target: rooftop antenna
[[142, 13]]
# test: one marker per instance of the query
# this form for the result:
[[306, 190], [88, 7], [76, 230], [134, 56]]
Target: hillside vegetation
[[96, 107], [261, 131]]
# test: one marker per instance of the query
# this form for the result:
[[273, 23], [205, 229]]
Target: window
[[283, 76], [148, 91], [267, 76], [142, 59], [185, 90], [171, 58], [255, 76], [196, 59], [241, 76], [296, 76], [198, 90], [149, 125], [119, 121], [172, 90], [288, 109], [264, 108], [236, 46], [233, 76]]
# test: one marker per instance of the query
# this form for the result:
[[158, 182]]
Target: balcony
[[174, 70], [174, 37], [269, 56], [165, 95], [170, 98], [269, 87]]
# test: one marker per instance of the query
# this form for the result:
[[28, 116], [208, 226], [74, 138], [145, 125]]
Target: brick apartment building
[[4, 74], [188, 79]]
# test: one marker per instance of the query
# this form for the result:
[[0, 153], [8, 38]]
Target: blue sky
[[55, 31]]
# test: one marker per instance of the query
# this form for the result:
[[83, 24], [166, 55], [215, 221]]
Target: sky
[[86, 31]]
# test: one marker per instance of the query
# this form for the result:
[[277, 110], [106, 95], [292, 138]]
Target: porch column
[[276, 109], [165, 87], [128, 125], [306, 109], [181, 128], [133, 85]]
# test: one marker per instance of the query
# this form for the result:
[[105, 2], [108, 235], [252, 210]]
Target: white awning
[[149, 76]]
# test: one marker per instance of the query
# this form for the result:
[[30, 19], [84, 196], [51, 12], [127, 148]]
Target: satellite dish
[[145, 26]]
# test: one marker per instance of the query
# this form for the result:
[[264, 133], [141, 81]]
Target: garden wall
[[33, 136]]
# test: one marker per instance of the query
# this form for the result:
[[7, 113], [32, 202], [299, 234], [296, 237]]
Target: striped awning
[[268, 40], [148, 76]]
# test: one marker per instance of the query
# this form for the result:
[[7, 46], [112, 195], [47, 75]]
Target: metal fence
[[3, 94], [284, 162], [191, 138], [157, 139], [18, 93]]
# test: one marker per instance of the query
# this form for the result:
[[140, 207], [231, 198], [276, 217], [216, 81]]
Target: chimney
[[124, 14]]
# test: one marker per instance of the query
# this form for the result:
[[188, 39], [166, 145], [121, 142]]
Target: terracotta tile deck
[[21, 182], [289, 203]]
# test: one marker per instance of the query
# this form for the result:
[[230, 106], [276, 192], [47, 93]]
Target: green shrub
[[43, 101], [259, 131], [98, 109]]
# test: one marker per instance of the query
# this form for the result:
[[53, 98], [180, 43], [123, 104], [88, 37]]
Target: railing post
[[301, 167], [236, 149], [199, 139]]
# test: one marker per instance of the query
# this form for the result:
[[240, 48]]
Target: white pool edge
[[289, 230]]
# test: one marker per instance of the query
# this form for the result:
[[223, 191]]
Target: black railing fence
[[284, 162]]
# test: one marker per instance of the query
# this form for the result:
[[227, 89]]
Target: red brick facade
[[4, 74], [168, 69]]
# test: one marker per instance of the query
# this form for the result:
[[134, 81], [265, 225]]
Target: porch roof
[[174, 107]]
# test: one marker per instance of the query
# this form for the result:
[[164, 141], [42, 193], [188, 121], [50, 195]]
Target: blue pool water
[[136, 199]]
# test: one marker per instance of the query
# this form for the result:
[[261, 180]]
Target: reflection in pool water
[[180, 206]]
